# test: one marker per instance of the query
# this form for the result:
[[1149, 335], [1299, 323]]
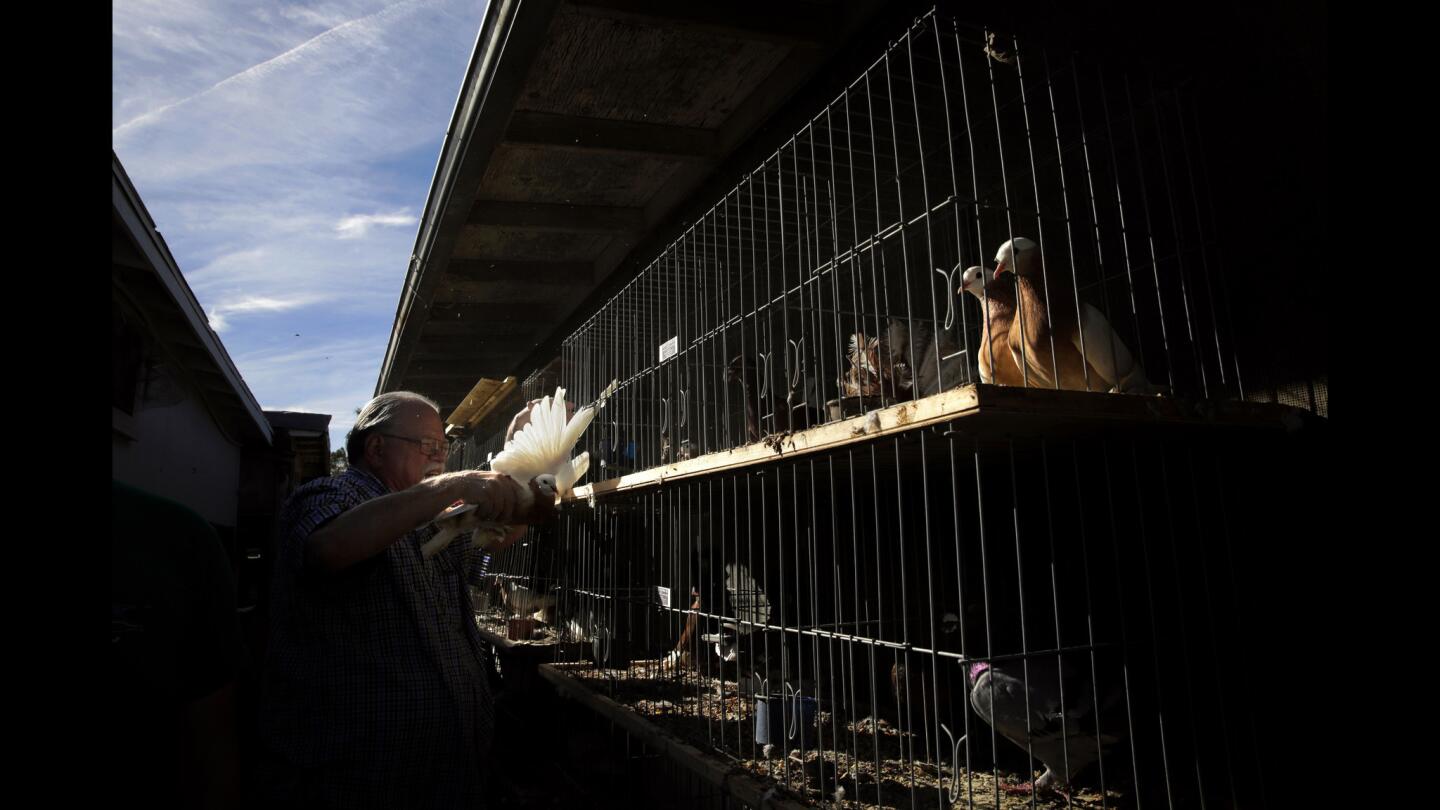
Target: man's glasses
[[430, 447]]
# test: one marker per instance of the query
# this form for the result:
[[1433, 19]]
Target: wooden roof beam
[[522, 272], [784, 21], [452, 329], [450, 345], [467, 291], [569, 218], [473, 356], [525, 313], [449, 367], [605, 135]]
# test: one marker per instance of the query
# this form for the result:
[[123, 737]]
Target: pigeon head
[[740, 364], [1016, 256], [973, 282], [547, 484]]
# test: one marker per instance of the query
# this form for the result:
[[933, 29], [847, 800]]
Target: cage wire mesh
[[826, 282], [932, 618], [925, 619]]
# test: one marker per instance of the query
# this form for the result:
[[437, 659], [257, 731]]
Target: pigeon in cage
[[997, 299], [726, 642], [1024, 703], [578, 630], [869, 374], [522, 601], [938, 362], [537, 456], [746, 371], [1084, 344], [760, 402], [747, 603], [863, 376], [747, 598], [681, 656]]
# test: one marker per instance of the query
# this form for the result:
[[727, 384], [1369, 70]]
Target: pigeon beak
[[999, 269]]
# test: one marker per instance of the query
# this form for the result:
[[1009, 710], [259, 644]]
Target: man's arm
[[368, 529]]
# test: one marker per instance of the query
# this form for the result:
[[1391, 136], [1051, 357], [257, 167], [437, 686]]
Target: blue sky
[[285, 151]]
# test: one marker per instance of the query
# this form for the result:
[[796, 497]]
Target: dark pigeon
[[1064, 742]]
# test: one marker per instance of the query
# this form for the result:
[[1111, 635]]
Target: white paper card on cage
[[669, 348], [664, 594]]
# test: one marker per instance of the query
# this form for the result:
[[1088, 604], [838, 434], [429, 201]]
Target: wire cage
[[827, 282], [899, 618], [933, 616]]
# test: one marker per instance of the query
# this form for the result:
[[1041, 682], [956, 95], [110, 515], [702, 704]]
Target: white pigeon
[[1086, 341], [537, 454]]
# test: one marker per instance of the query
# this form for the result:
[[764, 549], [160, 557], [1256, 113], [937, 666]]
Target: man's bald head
[[384, 412]]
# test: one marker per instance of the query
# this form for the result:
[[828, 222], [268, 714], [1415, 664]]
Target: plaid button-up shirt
[[375, 692]]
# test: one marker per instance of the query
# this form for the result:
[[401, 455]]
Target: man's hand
[[497, 497], [370, 528]]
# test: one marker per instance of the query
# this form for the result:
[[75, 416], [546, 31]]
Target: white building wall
[[179, 453]]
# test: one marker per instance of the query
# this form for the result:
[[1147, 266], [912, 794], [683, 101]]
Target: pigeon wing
[[545, 443], [535, 448]]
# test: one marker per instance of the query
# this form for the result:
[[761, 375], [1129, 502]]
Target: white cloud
[[358, 91], [284, 151], [221, 312], [340, 32], [355, 227]]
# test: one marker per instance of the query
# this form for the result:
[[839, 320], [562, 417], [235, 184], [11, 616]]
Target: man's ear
[[373, 443]]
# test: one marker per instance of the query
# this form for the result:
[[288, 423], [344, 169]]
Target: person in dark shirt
[[374, 689], [175, 651]]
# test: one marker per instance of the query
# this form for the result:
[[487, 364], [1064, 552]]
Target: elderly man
[[375, 692]]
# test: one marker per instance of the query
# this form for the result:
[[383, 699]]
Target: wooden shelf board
[[975, 410]]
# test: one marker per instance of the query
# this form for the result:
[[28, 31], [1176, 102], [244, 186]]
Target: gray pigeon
[[1065, 743], [939, 363]]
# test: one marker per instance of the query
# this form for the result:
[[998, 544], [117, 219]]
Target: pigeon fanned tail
[[545, 444], [541, 444], [542, 447], [570, 434], [580, 463]]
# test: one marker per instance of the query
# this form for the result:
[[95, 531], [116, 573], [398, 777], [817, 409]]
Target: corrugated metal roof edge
[[489, 43], [141, 225]]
